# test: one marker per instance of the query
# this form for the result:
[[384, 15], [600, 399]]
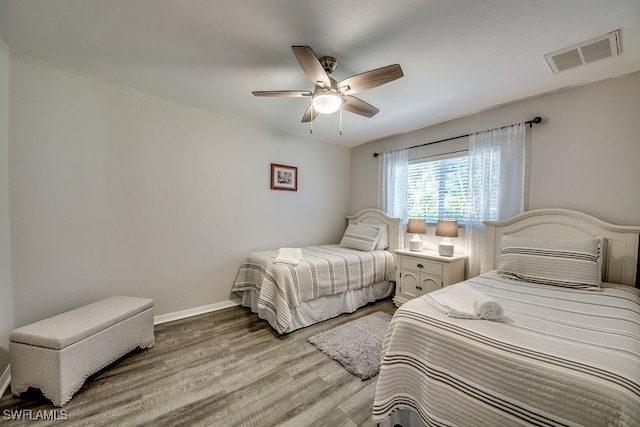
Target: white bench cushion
[[61, 331]]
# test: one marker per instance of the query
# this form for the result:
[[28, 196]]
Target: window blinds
[[437, 189]]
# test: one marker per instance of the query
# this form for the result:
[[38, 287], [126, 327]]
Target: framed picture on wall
[[284, 177]]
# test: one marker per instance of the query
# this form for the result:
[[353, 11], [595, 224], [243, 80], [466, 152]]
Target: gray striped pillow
[[360, 237], [572, 263]]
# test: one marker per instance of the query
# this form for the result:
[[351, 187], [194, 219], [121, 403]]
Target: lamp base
[[415, 245], [445, 249]]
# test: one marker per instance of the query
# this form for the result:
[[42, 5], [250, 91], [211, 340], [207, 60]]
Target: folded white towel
[[462, 301], [288, 256]]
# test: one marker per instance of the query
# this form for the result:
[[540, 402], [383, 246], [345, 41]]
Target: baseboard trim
[[183, 314], [5, 380]]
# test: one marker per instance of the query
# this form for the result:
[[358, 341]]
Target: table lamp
[[416, 226], [446, 228]]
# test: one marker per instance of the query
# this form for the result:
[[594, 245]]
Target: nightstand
[[419, 273]]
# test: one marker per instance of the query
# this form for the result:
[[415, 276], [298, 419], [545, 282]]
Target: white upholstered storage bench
[[56, 355]]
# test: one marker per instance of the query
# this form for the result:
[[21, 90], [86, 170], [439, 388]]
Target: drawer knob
[[419, 288], [420, 266]]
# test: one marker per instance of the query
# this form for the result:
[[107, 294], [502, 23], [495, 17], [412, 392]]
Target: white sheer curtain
[[393, 183], [496, 186]]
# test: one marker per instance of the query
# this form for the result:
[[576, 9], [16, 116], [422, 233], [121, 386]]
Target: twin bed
[[326, 280], [565, 352]]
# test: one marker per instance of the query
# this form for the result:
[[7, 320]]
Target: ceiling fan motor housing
[[329, 63]]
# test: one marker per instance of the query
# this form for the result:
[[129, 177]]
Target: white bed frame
[[375, 216], [620, 260]]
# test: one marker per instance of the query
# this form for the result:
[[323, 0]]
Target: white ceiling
[[458, 56]]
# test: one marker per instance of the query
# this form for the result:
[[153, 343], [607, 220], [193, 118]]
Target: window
[[438, 188]]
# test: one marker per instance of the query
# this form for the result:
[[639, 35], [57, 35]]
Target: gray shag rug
[[356, 345]]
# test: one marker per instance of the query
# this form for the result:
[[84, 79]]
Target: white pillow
[[383, 241], [359, 237], [572, 263]]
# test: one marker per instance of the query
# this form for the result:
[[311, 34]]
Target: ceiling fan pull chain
[[340, 118], [311, 121]]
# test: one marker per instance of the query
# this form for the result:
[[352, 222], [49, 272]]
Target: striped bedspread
[[559, 357], [323, 270]]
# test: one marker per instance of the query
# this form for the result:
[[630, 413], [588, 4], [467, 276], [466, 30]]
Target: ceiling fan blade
[[311, 66], [309, 115], [282, 93], [358, 106], [370, 79]]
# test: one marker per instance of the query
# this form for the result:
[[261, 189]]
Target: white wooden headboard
[[621, 242], [375, 216]]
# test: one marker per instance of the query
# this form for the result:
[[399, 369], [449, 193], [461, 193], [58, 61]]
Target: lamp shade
[[417, 226], [447, 228]]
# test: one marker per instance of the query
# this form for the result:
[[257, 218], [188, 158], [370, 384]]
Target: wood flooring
[[226, 368]]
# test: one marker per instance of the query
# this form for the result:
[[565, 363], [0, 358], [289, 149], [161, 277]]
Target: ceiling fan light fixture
[[326, 102]]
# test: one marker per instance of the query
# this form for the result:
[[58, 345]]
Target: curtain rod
[[535, 121]]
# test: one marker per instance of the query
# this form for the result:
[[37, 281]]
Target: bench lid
[[61, 331]]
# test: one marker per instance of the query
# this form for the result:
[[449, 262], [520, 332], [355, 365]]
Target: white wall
[[584, 157], [113, 192], [6, 293]]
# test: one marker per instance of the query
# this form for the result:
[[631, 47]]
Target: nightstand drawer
[[421, 265]]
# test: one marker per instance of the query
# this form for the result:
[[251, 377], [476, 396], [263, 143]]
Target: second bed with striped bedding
[[558, 357], [323, 270]]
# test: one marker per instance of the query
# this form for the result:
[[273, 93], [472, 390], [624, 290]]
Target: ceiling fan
[[329, 95]]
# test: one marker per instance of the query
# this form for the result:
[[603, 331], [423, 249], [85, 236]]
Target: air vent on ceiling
[[588, 51]]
